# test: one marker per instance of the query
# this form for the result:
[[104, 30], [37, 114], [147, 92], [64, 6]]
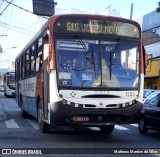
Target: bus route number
[[130, 94]]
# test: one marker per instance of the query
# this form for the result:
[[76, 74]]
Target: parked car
[[147, 92], [150, 113], [1, 88]]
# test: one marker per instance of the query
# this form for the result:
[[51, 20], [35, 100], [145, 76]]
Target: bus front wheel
[[43, 126], [107, 129]]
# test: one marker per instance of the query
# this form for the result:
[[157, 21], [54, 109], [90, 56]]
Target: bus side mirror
[[44, 7]]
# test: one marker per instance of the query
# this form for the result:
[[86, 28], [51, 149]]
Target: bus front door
[[45, 90]]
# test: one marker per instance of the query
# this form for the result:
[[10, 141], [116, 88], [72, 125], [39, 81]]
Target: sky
[[17, 26]]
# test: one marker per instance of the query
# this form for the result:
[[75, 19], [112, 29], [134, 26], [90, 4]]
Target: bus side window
[[33, 61], [27, 63], [39, 56], [23, 67], [37, 64], [19, 75], [17, 69]]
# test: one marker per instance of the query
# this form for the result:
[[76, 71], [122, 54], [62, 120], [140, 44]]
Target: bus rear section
[[9, 84]]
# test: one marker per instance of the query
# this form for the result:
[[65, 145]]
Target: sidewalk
[[1, 111]]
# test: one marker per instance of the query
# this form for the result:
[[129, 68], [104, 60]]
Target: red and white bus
[[85, 70]]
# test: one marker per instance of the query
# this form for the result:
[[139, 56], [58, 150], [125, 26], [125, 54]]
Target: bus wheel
[[43, 126], [107, 129], [141, 126]]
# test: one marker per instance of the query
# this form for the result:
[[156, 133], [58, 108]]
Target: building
[[150, 24]]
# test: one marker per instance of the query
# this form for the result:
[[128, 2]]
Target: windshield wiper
[[94, 66], [113, 57], [89, 57]]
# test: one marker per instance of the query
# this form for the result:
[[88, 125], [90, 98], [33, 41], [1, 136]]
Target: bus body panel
[[27, 91]]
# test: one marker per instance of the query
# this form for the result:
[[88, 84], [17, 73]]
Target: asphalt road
[[20, 133]]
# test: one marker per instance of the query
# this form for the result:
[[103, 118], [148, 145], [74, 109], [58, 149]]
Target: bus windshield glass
[[11, 81], [97, 63], [97, 53]]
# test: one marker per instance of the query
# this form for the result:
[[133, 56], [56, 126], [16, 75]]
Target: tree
[[158, 8]]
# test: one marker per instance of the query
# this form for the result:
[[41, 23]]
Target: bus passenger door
[[45, 86], [45, 90]]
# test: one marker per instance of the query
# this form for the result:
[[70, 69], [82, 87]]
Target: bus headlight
[[127, 104]]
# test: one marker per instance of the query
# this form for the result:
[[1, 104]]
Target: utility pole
[[131, 13], [1, 49], [6, 7]]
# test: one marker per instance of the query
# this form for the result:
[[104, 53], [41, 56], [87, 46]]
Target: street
[[18, 132]]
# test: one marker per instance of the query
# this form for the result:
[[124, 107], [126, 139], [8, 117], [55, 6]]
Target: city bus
[[82, 70], [9, 84]]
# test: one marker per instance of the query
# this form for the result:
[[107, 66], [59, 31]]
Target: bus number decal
[[130, 94]]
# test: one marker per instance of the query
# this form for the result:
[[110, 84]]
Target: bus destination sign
[[96, 27]]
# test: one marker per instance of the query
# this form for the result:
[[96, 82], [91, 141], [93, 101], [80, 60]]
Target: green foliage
[[158, 8]]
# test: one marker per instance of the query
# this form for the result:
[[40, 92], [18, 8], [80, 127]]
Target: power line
[[18, 22], [15, 26], [16, 30], [6, 7], [21, 8]]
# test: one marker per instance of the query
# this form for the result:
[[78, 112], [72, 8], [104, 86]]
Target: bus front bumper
[[68, 115]]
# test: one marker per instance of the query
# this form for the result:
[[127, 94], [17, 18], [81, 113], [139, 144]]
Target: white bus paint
[[28, 87]]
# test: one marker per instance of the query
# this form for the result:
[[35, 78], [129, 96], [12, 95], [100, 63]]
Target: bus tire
[[106, 129], [43, 126], [142, 127]]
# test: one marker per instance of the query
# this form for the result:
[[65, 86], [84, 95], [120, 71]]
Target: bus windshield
[[11, 82], [97, 63]]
